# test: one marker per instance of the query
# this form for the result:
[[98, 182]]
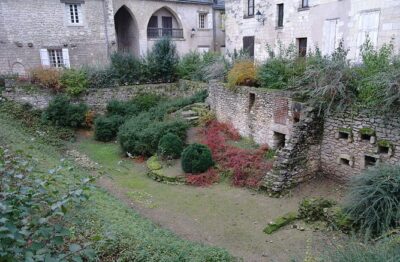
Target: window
[[74, 11], [304, 3], [252, 100], [279, 140], [250, 8], [302, 46], [368, 25], [167, 26], [330, 36], [153, 23], [202, 21], [345, 162], [56, 58], [248, 45], [280, 15], [369, 161]]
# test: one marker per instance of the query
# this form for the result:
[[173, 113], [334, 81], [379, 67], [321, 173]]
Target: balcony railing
[[164, 32]]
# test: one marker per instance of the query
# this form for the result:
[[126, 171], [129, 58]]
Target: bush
[[242, 73], [101, 78], [146, 101], [122, 108], [62, 113], [47, 78], [170, 146], [162, 61], [196, 158], [141, 135], [127, 69], [106, 128], [373, 202], [189, 66], [74, 81], [205, 179]]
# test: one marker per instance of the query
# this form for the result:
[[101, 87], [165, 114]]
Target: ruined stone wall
[[254, 112], [97, 99], [268, 116], [351, 143]]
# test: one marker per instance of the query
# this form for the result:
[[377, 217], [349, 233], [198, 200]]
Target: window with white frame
[[56, 58], [202, 20], [74, 13], [368, 27]]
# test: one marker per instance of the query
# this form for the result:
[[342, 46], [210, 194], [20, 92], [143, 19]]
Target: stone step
[[189, 113]]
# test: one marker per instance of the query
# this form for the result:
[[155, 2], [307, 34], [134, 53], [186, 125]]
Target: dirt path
[[221, 215]]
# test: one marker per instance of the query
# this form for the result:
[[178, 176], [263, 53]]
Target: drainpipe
[[106, 28], [214, 28]]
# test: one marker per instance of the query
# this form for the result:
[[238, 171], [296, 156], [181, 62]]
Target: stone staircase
[[192, 113]]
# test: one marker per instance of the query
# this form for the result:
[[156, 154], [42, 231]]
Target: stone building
[[85, 32], [252, 24]]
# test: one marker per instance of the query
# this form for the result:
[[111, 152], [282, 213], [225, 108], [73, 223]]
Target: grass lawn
[[115, 229], [220, 215]]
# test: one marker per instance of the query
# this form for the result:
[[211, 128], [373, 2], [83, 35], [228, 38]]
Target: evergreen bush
[[122, 108], [62, 112], [196, 158], [162, 61], [106, 127], [170, 146], [127, 69], [189, 66]]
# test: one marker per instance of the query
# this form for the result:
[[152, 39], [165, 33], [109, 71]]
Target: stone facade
[[97, 99], [340, 145], [351, 143], [322, 23], [29, 29]]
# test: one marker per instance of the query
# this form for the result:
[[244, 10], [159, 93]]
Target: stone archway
[[164, 22], [127, 31]]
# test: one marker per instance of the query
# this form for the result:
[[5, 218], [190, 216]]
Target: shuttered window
[[248, 45]]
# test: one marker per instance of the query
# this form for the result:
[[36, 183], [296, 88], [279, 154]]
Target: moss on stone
[[312, 209], [367, 131], [280, 222], [346, 130], [385, 143]]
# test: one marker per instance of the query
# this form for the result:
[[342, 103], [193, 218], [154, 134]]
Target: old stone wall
[[26, 27], [266, 116], [272, 117], [97, 99], [352, 143]]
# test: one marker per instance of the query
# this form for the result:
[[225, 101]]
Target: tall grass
[[373, 202]]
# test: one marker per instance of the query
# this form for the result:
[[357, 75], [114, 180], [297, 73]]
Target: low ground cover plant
[[34, 207], [247, 166]]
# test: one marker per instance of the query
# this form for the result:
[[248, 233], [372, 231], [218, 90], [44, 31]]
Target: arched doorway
[[127, 31], [164, 23]]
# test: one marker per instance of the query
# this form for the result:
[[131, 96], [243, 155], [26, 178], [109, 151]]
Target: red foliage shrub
[[205, 179], [247, 166]]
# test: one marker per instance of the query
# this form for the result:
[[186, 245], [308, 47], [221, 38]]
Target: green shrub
[[122, 108], [127, 68], [62, 113], [196, 158], [189, 66], [146, 101], [141, 135], [74, 81], [373, 202], [170, 146], [101, 78], [106, 128], [162, 61]]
